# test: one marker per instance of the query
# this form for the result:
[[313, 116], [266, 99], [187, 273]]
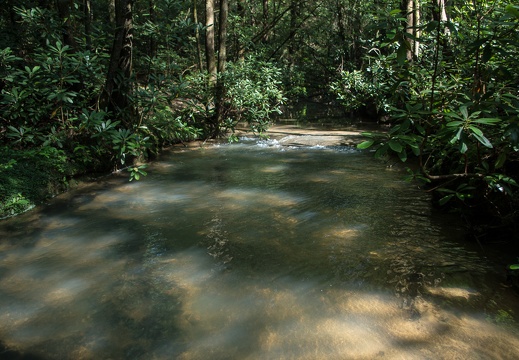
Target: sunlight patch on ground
[[342, 233], [228, 316], [452, 292], [259, 197], [225, 314], [274, 169]]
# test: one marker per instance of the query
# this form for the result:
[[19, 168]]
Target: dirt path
[[293, 134], [311, 135]]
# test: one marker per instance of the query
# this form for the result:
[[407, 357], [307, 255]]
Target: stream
[[264, 249]]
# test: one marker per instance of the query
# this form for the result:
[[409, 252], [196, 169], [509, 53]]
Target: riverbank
[[32, 179]]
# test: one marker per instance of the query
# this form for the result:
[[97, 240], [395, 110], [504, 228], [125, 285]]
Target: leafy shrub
[[29, 177], [358, 90], [253, 93]]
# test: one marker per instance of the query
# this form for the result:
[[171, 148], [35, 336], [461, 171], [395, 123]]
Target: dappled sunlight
[[232, 316], [250, 198], [339, 233], [226, 258], [274, 169], [451, 292]]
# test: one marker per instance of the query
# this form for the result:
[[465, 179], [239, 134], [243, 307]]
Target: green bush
[[29, 177], [253, 93]]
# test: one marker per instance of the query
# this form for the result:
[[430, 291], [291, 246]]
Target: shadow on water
[[10, 354], [241, 252]]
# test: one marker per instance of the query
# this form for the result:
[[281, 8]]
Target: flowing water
[[250, 251]]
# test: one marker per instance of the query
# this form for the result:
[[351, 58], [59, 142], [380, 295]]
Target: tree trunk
[[412, 8], [112, 12], [441, 15], [64, 7], [294, 17], [340, 23], [197, 37], [209, 42], [265, 20], [222, 35], [117, 87], [240, 48], [87, 11], [222, 58]]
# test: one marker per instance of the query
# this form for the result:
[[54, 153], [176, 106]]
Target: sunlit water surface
[[250, 251]]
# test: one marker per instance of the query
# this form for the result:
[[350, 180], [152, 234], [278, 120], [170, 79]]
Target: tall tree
[[115, 96], [87, 11], [412, 9], [222, 58], [210, 41]]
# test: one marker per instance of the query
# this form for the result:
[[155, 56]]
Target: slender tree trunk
[[442, 14], [152, 42], [265, 20], [115, 97], [222, 58], [111, 12], [87, 11], [240, 52], [412, 28], [294, 16], [341, 32], [209, 42], [197, 37], [222, 35]]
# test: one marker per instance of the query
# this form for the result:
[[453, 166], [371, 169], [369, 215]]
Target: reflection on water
[[250, 252]]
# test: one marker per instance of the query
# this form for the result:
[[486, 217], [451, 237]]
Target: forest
[[92, 86]]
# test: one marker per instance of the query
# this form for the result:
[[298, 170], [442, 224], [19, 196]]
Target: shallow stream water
[[251, 251]]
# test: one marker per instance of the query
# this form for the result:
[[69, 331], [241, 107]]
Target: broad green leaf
[[463, 147], [464, 111], [444, 200], [395, 146], [415, 149], [475, 130], [402, 155], [513, 267], [483, 140], [446, 190], [500, 160], [513, 10], [487, 121], [455, 123], [457, 136], [365, 144]]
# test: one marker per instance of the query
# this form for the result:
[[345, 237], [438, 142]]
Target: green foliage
[[253, 93], [357, 89], [14, 204], [136, 172], [29, 177], [455, 109]]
